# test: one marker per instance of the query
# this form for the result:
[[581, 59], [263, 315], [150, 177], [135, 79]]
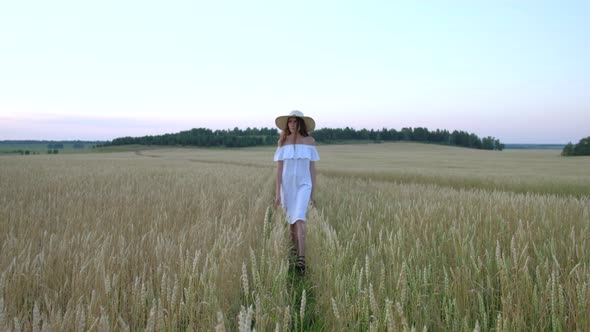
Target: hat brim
[[281, 122]]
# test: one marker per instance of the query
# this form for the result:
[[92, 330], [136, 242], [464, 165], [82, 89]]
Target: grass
[[406, 235]]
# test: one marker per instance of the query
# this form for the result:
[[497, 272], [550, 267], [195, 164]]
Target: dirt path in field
[[143, 154], [225, 162]]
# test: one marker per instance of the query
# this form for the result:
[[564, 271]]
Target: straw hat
[[281, 121]]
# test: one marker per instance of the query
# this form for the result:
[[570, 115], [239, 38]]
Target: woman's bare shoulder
[[308, 140]]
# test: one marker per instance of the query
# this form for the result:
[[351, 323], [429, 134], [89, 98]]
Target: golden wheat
[[406, 237]]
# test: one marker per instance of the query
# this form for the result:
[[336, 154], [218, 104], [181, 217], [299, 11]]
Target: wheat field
[[405, 237]]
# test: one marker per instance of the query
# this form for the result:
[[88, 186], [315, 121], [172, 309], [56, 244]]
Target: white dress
[[296, 181]]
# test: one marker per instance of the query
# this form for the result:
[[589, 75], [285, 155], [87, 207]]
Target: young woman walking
[[296, 176]]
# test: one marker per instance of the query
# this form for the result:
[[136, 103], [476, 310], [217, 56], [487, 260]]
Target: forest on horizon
[[204, 137]]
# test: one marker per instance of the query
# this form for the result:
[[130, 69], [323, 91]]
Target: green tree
[[406, 134], [568, 150], [420, 134], [488, 143], [580, 149], [583, 147]]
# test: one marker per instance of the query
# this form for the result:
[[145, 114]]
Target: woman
[[296, 156]]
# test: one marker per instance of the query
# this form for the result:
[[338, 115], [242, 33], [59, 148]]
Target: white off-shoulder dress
[[296, 180]]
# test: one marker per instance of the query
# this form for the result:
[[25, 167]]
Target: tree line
[[418, 134], [580, 149], [203, 137]]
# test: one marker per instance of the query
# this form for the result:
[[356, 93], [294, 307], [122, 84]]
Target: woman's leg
[[300, 230], [293, 230]]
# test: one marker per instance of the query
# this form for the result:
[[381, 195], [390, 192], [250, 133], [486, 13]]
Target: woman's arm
[[279, 182], [313, 182]]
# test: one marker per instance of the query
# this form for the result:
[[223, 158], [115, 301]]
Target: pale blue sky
[[516, 70]]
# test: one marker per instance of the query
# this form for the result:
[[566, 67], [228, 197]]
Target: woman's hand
[[277, 200], [312, 201]]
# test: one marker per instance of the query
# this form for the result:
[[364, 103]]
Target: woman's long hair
[[286, 132]]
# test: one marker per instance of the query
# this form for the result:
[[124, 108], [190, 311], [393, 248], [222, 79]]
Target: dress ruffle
[[297, 151]]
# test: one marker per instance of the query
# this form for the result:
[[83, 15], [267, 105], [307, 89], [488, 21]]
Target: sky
[[516, 70]]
